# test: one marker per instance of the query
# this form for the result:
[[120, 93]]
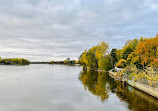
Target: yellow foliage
[[76, 62], [101, 50], [65, 62], [119, 54], [150, 74], [121, 63], [148, 51]]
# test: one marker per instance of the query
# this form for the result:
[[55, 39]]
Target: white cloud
[[153, 4]]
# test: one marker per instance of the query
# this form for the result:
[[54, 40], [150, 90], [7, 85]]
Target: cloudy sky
[[56, 29]]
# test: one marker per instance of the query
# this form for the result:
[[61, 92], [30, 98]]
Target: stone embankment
[[142, 87], [145, 88]]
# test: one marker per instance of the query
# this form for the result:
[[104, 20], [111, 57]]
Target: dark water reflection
[[103, 86]]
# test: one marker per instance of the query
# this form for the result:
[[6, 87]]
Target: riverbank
[[142, 87]]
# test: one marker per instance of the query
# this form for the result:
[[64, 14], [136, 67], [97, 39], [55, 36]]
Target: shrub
[[149, 74], [121, 63], [51, 62], [65, 62]]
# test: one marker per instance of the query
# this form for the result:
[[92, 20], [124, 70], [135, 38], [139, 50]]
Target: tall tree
[[114, 56]]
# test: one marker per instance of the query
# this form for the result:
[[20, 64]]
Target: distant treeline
[[64, 62], [14, 61]]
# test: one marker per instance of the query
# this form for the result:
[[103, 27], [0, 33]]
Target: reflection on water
[[102, 85], [57, 88], [96, 83]]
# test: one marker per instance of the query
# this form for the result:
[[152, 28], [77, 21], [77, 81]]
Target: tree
[[91, 60], [51, 62], [106, 63], [100, 51], [119, 54], [77, 62], [65, 62], [114, 56], [147, 51], [129, 47], [83, 59], [127, 51]]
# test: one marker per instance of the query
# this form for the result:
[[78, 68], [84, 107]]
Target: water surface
[[66, 88]]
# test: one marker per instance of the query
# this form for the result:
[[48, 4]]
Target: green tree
[[106, 63], [114, 56], [91, 60]]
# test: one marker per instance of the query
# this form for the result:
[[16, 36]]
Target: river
[[46, 87]]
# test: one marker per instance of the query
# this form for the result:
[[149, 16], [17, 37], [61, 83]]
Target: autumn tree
[[100, 51], [96, 57], [147, 51], [83, 59], [129, 47]]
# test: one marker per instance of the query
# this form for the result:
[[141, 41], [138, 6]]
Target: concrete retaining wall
[[145, 88], [112, 73]]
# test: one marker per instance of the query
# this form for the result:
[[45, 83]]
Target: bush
[[65, 62], [51, 62], [149, 74], [121, 63]]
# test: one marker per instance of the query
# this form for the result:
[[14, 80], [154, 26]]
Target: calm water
[[67, 88]]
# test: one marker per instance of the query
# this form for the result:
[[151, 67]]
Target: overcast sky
[[56, 29]]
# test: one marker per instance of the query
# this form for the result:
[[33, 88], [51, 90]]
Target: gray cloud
[[56, 29]]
